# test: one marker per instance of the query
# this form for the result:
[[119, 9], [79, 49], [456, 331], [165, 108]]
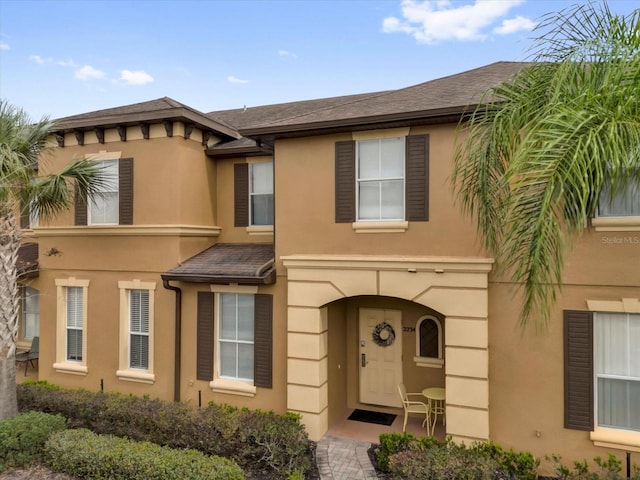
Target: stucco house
[[251, 256]]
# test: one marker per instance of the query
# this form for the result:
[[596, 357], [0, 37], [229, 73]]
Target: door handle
[[363, 359]]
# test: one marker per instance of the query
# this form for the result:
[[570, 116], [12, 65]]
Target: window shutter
[[417, 178], [578, 370], [241, 194], [345, 181], [204, 347], [125, 191], [80, 210], [263, 341]]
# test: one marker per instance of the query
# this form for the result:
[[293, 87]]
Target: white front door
[[380, 347]]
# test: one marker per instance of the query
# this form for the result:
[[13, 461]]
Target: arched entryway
[[455, 286]]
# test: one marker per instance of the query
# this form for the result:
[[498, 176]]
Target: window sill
[[616, 438], [232, 387], [139, 376], [72, 368], [428, 362], [616, 224], [380, 227], [260, 230]]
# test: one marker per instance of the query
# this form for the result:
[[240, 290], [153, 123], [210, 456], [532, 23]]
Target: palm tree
[[535, 155], [22, 145]]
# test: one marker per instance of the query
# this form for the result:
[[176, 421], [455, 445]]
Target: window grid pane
[[30, 312], [261, 193], [380, 182], [104, 208], [235, 335], [616, 356], [625, 203]]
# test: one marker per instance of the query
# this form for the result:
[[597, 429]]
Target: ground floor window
[[236, 336], [30, 304]]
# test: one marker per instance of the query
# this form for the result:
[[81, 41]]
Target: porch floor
[[369, 432]]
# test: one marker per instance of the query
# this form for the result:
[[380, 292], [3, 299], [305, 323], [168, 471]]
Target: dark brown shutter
[[578, 370], [241, 194], [417, 174], [345, 181], [80, 210], [125, 191], [204, 342], [263, 341]]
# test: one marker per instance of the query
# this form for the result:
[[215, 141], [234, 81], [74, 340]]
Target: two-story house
[[309, 257]]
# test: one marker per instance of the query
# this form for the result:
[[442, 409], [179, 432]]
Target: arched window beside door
[[429, 350]]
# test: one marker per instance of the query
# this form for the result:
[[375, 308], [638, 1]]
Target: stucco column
[[307, 387]]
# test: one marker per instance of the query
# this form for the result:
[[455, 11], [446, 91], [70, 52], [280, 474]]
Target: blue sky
[[61, 58]]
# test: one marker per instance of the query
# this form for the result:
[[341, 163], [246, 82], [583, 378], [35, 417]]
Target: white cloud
[[39, 60], [286, 53], [135, 77], [66, 63], [233, 79], [512, 25], [433, 21], [87, 73], [4, 46]]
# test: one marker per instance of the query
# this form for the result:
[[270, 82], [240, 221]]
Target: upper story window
[[114, 204], [261, 193], [103, 209], [624, 203], [382, 183], [380, 179]]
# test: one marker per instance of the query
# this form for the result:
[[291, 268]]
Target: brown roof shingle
[[242, 263]]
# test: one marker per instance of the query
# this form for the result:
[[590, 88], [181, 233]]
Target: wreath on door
[[383, 334]]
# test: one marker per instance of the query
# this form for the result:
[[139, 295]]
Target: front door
[[380, 356]]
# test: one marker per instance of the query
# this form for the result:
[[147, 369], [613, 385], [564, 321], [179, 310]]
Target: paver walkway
[[344, 459]]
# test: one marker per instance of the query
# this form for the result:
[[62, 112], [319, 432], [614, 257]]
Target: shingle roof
[[153, 110], [450, 95], [241, 263], [27, 264]]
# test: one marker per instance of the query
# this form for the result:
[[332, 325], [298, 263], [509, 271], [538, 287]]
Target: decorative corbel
[[168, 126], [188, 130], [145, 130], [60, 139], [206, 135], [100, 134], [80, 137], [122, 131]]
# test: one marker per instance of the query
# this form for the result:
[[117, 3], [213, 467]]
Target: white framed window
[[104, 208], [235, 336], [429, 351], [617, 370], [71, 328], [380, 179], [261, 194], [30, 305], [136, 331], [624, 203]]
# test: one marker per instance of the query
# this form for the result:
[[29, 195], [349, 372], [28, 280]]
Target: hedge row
[[22, 438], [427, 458], [263, 443], [84, 454]]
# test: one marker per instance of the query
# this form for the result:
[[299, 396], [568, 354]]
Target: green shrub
[[264, 443], [390, 444], [22, 438], [84, 454], [609, 469], [428, 458]]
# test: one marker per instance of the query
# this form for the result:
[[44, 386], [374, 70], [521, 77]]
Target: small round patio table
[[435, 402]]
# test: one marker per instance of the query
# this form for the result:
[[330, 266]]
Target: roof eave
[[419, 116], [175, 114], [267, 279], [238, 152]]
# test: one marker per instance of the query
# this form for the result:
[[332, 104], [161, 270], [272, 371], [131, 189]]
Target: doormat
[[372, 417]]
